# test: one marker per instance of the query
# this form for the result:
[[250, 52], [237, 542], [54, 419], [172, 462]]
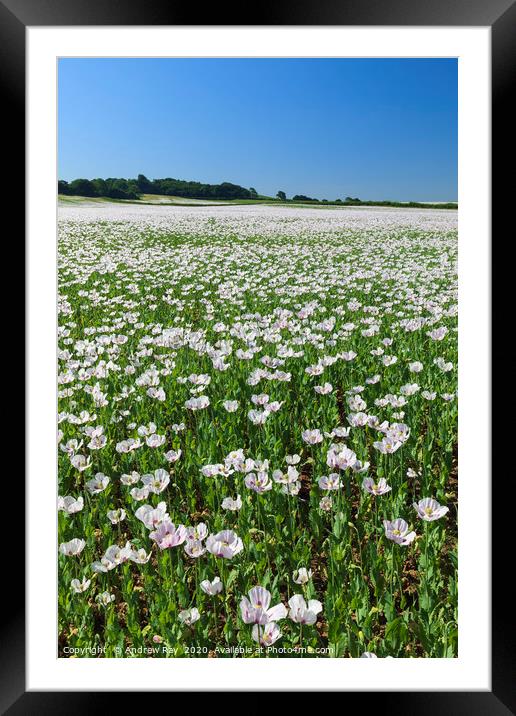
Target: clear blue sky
[[328, 128]]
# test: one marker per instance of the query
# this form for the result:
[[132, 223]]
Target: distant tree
[[82, 187], [302, 197], [233, 191], [144, 185], [253, 192], [281, 196], [100, 186], [133, 188]]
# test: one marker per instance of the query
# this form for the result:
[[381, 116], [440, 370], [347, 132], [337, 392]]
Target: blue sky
[[328, 128]]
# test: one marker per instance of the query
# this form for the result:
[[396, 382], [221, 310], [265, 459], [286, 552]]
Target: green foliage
[[302, 197], [112, 188], [133, 188]]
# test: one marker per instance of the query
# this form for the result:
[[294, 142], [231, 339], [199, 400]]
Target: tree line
[[134, 188], [355, 201]]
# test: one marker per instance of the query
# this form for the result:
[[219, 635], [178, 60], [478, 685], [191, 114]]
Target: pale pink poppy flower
[[258, 482], [429, 509], [302, 575], [80, 462], [199, 532], [129, 445], [130, 479], [438, 333], [194, 548], [72, 548], [258, 417], [79, 587], [140, 493], [302, 613], [415, 367], [97, 484], [312, 437], [387, 446], [228, 503], [398, 531], [69, 504], [326, 504], [324, 389], [155, 440], [266, 635], [213, 587], [230, 406], [340, 457], [376, 488], [330, 482], [152, 516], [287, 478], [105, 599], [257, 609], [225, 544], [139, 556], [168, 535], [172, 455], [116, 516], [261, 399], [197, 403], [212, 470], [156, 482], [189, 616]]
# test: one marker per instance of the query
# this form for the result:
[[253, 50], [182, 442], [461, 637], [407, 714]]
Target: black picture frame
[[500, 16]]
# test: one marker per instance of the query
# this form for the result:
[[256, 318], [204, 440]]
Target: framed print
[[258, 290]]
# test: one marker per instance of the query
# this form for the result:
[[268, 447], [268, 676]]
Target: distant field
[[160, 199], [163, 199], [145, 199]]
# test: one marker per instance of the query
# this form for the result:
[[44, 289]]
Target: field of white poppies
[[257, 432]]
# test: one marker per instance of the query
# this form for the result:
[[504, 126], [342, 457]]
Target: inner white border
[[471, 671]]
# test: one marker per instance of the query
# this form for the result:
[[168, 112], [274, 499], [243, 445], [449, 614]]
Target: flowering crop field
[[257, 432]]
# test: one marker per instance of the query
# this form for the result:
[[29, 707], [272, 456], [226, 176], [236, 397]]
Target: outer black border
[[15, 15]]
